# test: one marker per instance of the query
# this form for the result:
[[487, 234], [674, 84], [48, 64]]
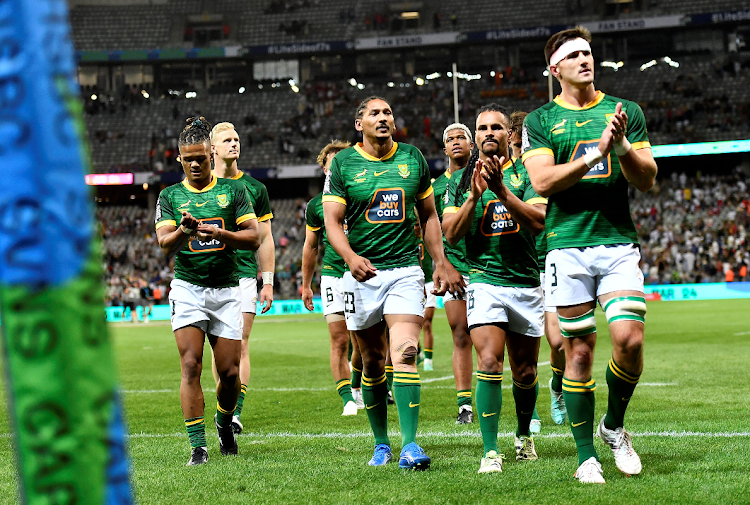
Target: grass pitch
[[689, 415]]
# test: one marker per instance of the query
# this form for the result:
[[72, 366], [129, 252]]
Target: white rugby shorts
[[394, 291], [547, 306], [249, 289], [450, 297], [216, 311], [579, 275], [332, 294], [431, 300], [521, 308]]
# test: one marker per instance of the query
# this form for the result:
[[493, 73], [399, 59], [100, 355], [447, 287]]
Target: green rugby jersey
[[425, 260], [246, 260], [595, 210], [498, 250], [541, 249], [380, 195], [224, 203], [333, 265], [456, 254]]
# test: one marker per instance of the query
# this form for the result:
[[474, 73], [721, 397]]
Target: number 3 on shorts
[[554, 275], [349, 302]]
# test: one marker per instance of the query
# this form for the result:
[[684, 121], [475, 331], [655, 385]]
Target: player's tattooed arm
[[172, 238], [527, 215], [309, 256], [360, 267]]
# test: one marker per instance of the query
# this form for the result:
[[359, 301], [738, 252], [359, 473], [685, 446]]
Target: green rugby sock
[[427, 353], [406, 393], [463, 397], [525, 398], [356, 378], [621, 386], [375, 396], [580, 401], [240, 400], [224, 416], [489, 403], [196, 430], [389, 376], [557, 377], [344, 387]]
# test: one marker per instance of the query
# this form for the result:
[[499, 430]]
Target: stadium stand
[[704, 99]]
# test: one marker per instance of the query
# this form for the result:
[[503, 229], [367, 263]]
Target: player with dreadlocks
[[498, 213], [215, 219], [551, 327]]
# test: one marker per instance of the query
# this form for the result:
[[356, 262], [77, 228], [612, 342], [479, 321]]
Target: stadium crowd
[[691, 229]]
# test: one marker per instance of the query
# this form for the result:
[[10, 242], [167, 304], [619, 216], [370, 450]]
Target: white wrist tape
[[187, 231], [267, 278], [622, 148], [593, 157]]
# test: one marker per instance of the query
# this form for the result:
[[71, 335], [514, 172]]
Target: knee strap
[[404, 346], [626, 308], [577, 326]]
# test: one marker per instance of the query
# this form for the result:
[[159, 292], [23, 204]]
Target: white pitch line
[[459, 434], [291, 390], [742, 333]]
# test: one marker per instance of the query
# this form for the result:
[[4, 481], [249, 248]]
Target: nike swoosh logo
[[412, 405], [368, 407], [625, 399], [585, 122], [527, 413], [378, 174], [200, 204], [576, 425], [484, 414]]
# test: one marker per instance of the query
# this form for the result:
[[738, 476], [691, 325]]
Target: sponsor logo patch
[[387, 206], [497, 220], [602, 169], [196, 245]]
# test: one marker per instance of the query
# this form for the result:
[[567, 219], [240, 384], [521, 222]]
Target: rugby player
[[225, 148], [215, 219], [551, 328], [458, 147], [498, 217], [330, 285], [425, 261], [581, 151], [375, 186]]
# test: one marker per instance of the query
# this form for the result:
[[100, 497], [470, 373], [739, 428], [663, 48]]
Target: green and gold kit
[[333, 265], [425, 260], [380, 195], [455, 254], [224, 203], [595, 210], [498, 250], [541, 249], [246, 262]]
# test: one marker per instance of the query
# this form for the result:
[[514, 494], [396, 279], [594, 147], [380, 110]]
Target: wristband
[[267, 278], [622, 147], [593, 157], [187, 231]]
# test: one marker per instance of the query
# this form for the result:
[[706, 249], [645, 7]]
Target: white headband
[[456, 126], [567, 48]]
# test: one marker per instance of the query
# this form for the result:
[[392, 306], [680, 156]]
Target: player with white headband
[[581, 151]]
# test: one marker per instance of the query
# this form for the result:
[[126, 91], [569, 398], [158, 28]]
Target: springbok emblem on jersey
[[403, 171], [222, 201]]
